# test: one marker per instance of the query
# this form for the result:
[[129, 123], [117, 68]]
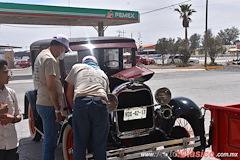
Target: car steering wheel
[[107, 64]]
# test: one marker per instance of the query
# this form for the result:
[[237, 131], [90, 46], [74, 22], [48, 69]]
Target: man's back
[[45, 65], [88, 81]]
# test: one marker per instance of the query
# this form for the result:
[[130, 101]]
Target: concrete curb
[[195, 67]]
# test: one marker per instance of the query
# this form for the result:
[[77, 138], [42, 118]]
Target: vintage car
[[138, 126]]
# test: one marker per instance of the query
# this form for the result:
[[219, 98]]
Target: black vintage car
[[138, 126]]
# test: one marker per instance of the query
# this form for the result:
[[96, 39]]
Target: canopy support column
[[100, 29]]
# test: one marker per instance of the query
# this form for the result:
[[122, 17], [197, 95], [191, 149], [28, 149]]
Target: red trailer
[[225, 123]]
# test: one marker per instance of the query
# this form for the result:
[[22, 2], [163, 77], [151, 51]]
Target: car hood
[[138, 73]]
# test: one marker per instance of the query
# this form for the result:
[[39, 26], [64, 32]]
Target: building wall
[[2, 55], [9, 57]]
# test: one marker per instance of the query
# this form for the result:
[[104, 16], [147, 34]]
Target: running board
[[128, 153]]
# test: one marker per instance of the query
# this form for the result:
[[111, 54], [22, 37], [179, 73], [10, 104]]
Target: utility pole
[[206, 36], [139, 42], [123, 33], [120, 33]]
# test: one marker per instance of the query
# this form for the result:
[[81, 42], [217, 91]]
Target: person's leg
[[100, 129], [12, 154], [81, 129], [3, 154], [50, 128]]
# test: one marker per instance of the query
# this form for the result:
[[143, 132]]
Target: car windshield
[[110, 58]]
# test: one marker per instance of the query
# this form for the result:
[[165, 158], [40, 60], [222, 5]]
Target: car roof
[[85, 40]]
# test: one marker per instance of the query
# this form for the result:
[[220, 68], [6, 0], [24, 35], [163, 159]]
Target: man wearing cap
[[47, 82], [87, 92]]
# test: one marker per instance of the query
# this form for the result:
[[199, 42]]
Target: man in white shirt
[[8, 118]]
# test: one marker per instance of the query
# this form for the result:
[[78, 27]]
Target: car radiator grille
[[135, 99]]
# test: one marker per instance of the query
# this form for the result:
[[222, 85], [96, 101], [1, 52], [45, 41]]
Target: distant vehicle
[[23, 64], [236, 61], [142, 59], [177, 59]]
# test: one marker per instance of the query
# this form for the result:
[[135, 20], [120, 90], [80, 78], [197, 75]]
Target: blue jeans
[[50, 129], [90, 120]]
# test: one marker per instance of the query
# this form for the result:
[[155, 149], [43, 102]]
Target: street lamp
[[206, 47]]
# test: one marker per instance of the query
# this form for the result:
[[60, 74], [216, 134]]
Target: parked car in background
[[193, 60], [23, 64], [236, 61], [142, 59], [177, 59]]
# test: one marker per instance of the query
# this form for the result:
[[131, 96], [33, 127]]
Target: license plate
[[134, 113]]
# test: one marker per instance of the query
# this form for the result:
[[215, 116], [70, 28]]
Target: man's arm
[[51, 85], [3, 108], [69, 94], [8, 118]]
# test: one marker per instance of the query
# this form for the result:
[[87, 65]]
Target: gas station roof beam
[[15, 13]]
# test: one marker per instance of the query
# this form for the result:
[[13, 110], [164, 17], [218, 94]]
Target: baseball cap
[[62, 39], [87, 59]]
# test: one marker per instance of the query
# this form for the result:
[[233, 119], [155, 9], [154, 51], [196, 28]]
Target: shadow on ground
[[31, 150]]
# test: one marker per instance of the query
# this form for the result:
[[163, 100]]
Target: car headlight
[[163, 96], [112, 102]]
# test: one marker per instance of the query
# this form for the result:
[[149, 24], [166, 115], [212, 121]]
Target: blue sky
[[222, 14]]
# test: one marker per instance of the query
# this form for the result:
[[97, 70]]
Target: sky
[[164, 22]]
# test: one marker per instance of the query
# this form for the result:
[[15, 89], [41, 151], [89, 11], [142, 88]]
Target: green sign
[[38, 10]]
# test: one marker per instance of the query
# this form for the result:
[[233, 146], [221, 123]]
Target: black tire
[[36, 136], [187, 126]]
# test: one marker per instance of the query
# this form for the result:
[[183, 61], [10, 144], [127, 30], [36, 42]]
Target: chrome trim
[[152, 105], [135, 133]]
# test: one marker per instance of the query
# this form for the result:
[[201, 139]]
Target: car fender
[[30, 97], [182, 107]]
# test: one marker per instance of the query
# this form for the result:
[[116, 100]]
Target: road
[[212, 87]]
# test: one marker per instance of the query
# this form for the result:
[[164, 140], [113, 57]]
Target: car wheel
[[186, 127], [67, 143], [36, 136]]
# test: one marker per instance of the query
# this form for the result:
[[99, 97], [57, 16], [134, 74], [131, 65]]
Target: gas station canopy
[[15, 13]]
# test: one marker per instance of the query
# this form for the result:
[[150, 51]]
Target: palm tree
[[185, 13]]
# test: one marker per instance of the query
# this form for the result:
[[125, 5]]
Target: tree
[[213, 45], [228, 36], [185, 12], [164, 46], [194, 41], [172, 47]]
